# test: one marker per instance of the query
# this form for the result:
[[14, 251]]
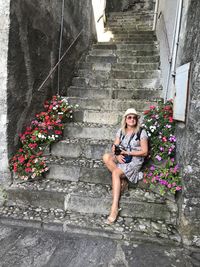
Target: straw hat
[[131, 111]]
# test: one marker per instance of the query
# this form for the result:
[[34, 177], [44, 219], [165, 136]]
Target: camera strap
[[137, 138]]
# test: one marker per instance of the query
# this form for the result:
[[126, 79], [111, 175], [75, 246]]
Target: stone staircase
[[76, 194]]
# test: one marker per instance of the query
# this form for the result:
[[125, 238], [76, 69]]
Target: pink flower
[[152, 107], [178, 188], [158, 158]]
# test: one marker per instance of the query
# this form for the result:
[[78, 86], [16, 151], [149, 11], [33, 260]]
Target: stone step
[[90, 130], [113, 59], [123, 53], [89, 198], [131, 13], [149, 94], [118, 66], [128, 47], [130, 40], [134, 67], [129, 23], [101, 117], [139, 59], [119, 74], [114, 31], [139, 36], [125, 19], [84, 148], [92, 225], [128, 27], [115, 83], [109, 104]]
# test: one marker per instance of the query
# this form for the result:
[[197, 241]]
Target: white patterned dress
[[131, 170]]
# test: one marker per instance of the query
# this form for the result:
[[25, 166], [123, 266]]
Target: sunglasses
[[131, 117]]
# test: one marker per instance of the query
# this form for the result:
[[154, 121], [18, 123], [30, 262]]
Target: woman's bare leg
[[116, 189]]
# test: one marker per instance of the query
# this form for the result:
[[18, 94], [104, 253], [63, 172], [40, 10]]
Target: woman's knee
[[107, 157]]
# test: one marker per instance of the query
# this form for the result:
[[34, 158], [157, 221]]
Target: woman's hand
[[120, 158], [124, 152]]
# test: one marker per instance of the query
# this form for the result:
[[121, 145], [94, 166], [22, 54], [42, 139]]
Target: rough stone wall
[[123, 5], [33, 51], [4, 33], [188, 134]]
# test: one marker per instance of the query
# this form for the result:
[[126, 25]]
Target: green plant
[[45, 129], [162, 171]]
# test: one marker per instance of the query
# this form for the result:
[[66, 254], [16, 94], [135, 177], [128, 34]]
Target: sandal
[[113, 219]]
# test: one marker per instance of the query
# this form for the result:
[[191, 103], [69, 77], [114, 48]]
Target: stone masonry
[[76, 194], [188, 134]]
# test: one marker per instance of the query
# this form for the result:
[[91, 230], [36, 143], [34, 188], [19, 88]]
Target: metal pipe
[[156, 14], [60, 45], [176, 42], [54, 68]]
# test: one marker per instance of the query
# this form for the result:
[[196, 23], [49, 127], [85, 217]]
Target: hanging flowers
[[46, 128], [162, 172]]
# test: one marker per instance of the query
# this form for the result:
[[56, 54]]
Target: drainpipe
[[156, 14], [175, 44]]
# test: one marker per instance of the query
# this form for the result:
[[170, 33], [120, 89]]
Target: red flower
[[21, 159], [171, 119], [146, 112], [58, 132], [28, 170]]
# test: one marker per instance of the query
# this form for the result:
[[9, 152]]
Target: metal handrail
[[54, 68]]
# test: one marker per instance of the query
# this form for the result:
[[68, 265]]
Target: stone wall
[[188, 134], [4, 33], [33, 51]]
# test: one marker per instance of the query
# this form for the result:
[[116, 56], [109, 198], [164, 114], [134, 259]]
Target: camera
[[118, 149]]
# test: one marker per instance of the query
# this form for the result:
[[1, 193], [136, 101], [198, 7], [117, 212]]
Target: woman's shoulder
[[143, 133]]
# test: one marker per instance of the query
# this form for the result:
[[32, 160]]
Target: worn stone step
[[99, 59], [129, 28], [130, 40], [79, 169], [150, 37], [89, 198], [134, 67], [109, 104], [139, 59], [127, 19], [94, 116], [128, 47], [93, 225], [149, 94], [75, 148], [123, 53], [128, 24], [90, 130], [115, 83], [120, 74], [131, 12], [118, 66]]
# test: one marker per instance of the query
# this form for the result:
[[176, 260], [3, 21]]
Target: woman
[[125, 162]]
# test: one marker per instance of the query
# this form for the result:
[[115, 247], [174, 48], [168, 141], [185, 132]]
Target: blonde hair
[[124, 125]]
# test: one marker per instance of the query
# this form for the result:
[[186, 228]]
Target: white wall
[[165, 31], [4, 33]]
